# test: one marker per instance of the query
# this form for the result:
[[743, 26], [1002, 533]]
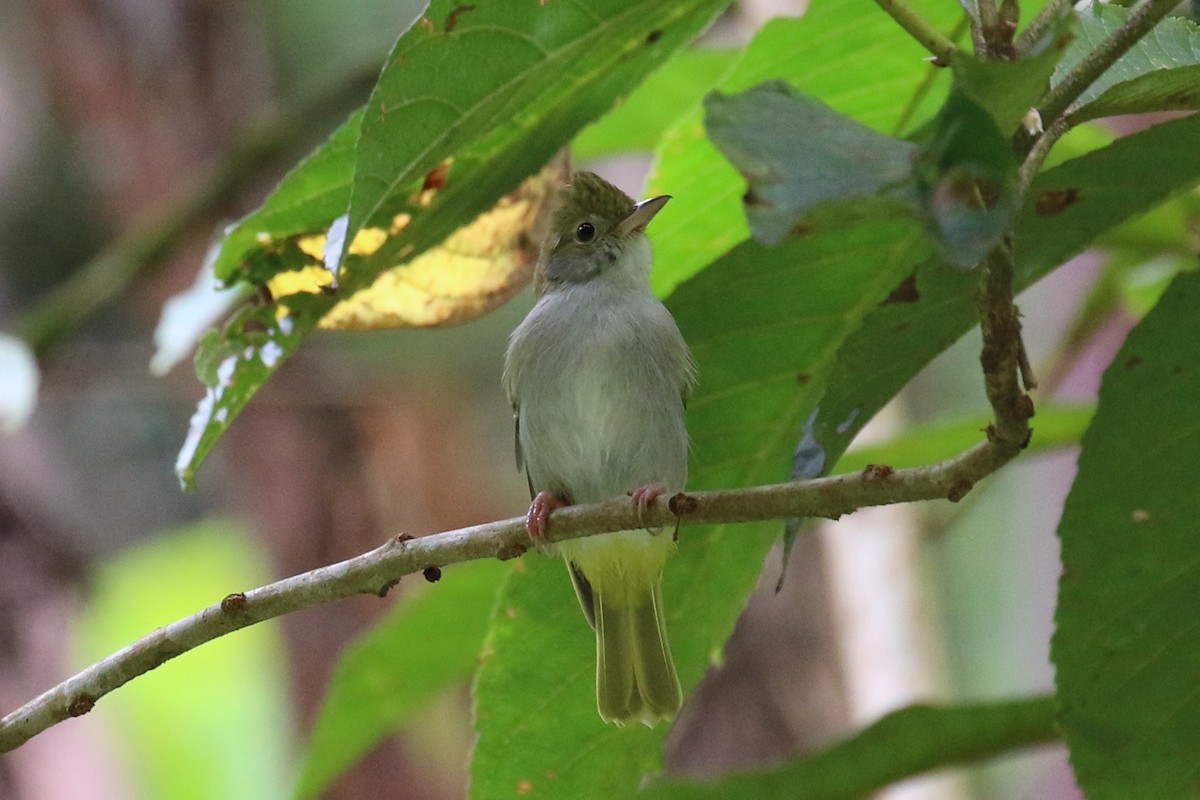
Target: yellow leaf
[[478, 267]]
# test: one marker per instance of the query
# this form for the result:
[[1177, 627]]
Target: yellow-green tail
[[635, 674]]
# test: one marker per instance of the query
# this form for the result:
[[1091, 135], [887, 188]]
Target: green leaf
[[1006, 89], [1166, 90], [1159, 72], [797, 153], [1090, 194], [764, 325], [855, 59], [557, 67], [517, 70], [907, 742], [638, 122], [1054, 426], [967, 175], [1125, 649], [399, 666], [233, 365], [969, 169], [307, 199]]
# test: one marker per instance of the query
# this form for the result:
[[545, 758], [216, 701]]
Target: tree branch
[[1005, 364], [1046, 19], [376, 571]]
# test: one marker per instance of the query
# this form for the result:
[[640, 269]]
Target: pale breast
[[600, 412]]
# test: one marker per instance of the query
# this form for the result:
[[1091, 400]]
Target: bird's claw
[[538, 518], [645, 496]]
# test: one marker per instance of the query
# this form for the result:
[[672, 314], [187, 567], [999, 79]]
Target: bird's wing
[[521, 465]]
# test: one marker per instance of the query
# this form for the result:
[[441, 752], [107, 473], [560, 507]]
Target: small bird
[[598, 376]]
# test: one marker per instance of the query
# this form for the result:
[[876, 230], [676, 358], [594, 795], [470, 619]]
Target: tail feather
[[635, 675]]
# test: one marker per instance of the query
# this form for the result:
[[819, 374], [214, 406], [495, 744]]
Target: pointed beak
[[643, 212]]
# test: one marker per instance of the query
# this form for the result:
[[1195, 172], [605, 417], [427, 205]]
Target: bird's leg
[[645, 496], [538, 518]]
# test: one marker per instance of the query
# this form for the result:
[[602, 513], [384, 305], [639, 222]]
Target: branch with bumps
[[377, 571]]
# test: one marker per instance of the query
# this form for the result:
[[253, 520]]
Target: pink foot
[[645, 496], [538, 518]]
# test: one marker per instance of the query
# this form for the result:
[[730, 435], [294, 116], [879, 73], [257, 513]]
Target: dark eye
[[585, 232]]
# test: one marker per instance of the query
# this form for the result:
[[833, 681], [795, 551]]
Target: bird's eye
[[585, 232]]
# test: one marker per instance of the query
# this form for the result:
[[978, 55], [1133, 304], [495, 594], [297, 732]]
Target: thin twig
[[376, 571], [147, 244], [926, 35], [1038, 153], [1046, 19], [927, 83], [1094, 64]]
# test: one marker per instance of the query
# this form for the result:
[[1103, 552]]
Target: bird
[[599, 375]]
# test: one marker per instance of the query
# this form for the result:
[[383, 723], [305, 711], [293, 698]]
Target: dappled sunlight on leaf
[[477, 268], [480, 266]]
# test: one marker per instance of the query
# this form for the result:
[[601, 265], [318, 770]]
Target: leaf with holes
[[439, 146]]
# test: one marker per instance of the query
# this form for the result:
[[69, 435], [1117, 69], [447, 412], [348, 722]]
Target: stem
[[1002, 357], [927, 82], [1046, 19], [926, 35], [147, 244], [1085, 73], [1037, 154], [376, 571]]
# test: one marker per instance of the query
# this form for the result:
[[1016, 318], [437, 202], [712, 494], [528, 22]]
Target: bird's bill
[[643, 212]]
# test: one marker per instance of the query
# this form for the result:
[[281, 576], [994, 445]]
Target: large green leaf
[[399, 666], [1126, 649], [764, 325], [854, 58], [903, 743], [798, 154], [1070, 205], [1157, 74], [549, 71], [506, 70]]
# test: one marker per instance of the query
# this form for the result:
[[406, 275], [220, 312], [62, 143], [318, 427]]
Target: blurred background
[[115, 112]]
